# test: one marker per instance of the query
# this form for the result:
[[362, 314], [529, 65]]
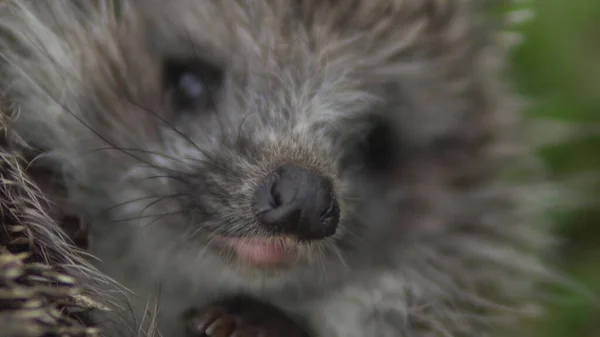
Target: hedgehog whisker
[[163, 177], [121, 204], [146, 216], [162, 199], [155, 153], [204, 153]]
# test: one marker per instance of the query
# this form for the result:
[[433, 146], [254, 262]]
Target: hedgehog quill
[[281, 168]]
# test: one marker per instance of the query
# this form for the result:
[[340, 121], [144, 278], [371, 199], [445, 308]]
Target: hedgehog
[[272, 168]]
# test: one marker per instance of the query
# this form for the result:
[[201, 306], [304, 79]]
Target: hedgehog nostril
[[275, 200], [330, 210]]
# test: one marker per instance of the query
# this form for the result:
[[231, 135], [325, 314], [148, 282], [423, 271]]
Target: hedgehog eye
[[191, 84], [379, 146]]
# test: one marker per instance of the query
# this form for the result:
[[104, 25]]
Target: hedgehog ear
[[72, 224], [58, 206], [48, 185]]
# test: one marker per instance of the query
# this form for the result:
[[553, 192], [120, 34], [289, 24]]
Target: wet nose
[[297, 201]]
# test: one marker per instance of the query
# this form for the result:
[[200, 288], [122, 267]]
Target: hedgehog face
[[278, 139], [276, 134]]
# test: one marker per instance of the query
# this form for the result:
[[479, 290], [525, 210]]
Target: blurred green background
[[559, 66]]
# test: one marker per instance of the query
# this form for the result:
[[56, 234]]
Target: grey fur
[[437, 247]]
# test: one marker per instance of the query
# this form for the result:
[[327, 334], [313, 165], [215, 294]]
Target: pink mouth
[[267, 251]]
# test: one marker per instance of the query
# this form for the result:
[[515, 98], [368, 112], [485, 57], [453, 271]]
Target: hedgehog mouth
[[262, 251]]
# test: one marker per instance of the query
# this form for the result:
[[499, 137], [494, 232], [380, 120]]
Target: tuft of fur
[[442, 246], [46, 286]]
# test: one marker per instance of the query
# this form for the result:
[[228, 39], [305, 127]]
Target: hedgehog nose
[[299, 202]]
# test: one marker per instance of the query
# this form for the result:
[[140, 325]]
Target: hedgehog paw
[[240, 317]]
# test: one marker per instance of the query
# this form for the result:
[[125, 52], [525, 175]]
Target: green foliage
[[559, 66]]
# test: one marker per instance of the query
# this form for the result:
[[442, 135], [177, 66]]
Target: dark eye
[[191, 84], [378, 146]]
